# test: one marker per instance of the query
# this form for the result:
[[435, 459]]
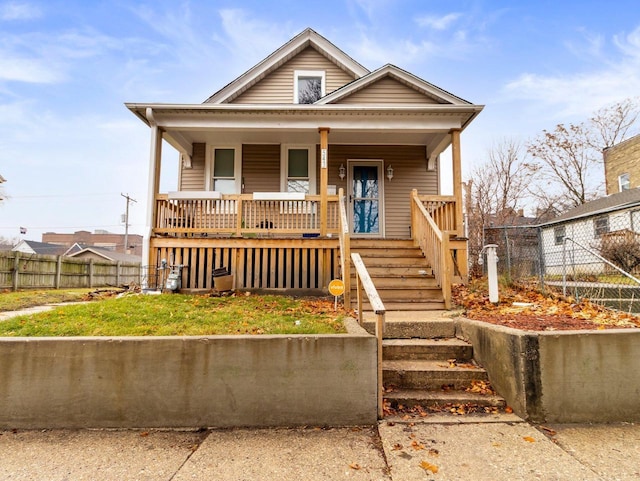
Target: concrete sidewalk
[[441, 449]]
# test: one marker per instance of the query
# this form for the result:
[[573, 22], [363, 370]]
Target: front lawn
[[15, 301], [182, 315]]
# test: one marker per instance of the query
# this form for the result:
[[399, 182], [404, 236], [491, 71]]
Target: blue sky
[[69, 147]]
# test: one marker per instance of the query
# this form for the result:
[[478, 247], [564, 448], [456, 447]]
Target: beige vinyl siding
[[409, 172], [194, 177], [387, 91], [277, 87], [261, 168]]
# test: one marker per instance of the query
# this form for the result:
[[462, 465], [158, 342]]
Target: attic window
[[308, 86]]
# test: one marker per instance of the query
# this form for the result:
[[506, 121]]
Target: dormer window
[[308, 86]]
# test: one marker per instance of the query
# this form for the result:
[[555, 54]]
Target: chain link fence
[[596, 258]]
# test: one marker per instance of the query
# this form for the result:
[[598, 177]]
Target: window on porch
[[298, 167], [223, 170]]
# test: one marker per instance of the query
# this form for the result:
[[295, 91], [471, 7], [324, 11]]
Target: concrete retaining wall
[[217, 381], [564, 377], [591, 376]]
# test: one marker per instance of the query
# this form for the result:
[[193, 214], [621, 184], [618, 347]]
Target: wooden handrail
[[364, 283], [345, 248], [434, 244]]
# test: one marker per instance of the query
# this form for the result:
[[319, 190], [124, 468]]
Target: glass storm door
[[365, 198]]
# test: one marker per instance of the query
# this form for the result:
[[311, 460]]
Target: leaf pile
[[525, 308]]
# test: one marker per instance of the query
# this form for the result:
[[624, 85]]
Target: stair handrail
[[366, 285], [434, 244], [345, 248]]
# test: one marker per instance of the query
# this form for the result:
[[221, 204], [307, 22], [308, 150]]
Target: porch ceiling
[[427, 125]]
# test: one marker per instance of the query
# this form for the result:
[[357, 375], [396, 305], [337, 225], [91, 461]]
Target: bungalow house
[[304, 158], [573, 242]]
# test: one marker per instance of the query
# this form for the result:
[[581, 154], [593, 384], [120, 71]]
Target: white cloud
[[617, 76], [438, 22], [30, 70], [19, 11], [251, 39]]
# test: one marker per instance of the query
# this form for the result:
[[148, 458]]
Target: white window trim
[[284, 165], [237, 165], [628, 183], [308, 73]]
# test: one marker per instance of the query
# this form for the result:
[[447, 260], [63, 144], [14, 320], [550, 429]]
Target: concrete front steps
[[402, 276], [425, 365]]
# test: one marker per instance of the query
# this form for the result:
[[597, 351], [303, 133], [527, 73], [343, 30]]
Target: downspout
[[156, 137]]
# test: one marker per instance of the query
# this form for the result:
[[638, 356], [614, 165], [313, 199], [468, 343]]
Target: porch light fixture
[[389, 172], [342, 172]]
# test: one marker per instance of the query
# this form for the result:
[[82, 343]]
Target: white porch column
[[153, 185]]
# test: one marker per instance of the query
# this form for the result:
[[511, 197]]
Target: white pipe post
[[492, 272]]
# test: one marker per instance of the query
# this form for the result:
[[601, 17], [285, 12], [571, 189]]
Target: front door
[[365, 197]]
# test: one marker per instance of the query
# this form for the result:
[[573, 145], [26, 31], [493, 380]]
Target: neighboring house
[[269, 163], [589, 227], [622, 165], [101, 254], [34, 247], [99, 238]]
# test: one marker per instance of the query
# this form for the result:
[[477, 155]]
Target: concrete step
[[430, 375], [410, 398], [408, 328], [427, 349]]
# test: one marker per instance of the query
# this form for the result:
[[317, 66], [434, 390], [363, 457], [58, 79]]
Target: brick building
[[99, 238], [622, 165]]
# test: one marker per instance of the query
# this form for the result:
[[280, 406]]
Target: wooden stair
[[425, 365], [402, 276]]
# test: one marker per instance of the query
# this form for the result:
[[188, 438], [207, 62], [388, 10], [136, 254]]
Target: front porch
[[283, 245]]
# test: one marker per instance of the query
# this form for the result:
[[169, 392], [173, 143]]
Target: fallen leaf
[[434, 452], [496, 445], [417, 445], [397, 447], [144, 434], [355, 466], [429, 467], [529, 439], [508, 409], [549, 431]]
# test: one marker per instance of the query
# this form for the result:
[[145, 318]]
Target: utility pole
[[126, 222]]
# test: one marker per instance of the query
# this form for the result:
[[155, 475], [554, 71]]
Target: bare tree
[[496, 191], [569, 158]]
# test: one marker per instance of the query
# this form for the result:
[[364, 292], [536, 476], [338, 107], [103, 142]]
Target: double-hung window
[[308, 86], [601, 225], [224, 170], [298, 169]]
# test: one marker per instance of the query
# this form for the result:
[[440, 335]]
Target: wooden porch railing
[[345, 248], [241, 214], [433, 240], [365, 285]]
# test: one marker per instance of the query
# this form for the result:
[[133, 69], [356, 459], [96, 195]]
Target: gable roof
[[611, 203], [412, 81], [107, 254], [39, 247], [306, 38]]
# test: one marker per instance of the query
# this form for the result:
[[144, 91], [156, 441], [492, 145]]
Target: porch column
[[457, 178], [324, 177], [153, 185]]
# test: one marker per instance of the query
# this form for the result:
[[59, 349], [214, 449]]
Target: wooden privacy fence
[[32, 271]]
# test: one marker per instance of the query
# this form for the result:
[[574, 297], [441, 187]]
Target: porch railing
[[365, 286], [242, 214], [433, 240], [345, 248]]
